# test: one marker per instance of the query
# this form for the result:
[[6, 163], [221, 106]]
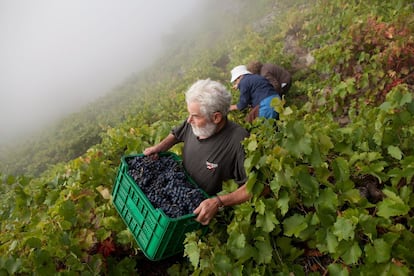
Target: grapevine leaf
[[244, 253], [385, 106], [66, 225], [369, 225], [124, 237], [277, 104], [287, 111], [102, 234], [283, 202], [68, 211], [252, 146], [248, 163], [379, 252], [42, 257], [337, 269], [34, 243], [284, 244], [326, 207], [267, 221], [222, 262], [403, 99], [294, 225], [260, 207], [331, 242], [325, 142], [327, 200], [397, 268], [406, 172], [352, 253], [405, 194], [51, 197], [106, 194], [297, 142], [344, 229], [352, 195], [11, 264], [303, 146], [340, 169], [123, 267], [237, 240], [192, 251], [283, 178], [316, 158], [326, 217], [392, 206], [374, 168], [239, 247], [251, 181], [309, 185], [395, 152], [252, 160], [264, 251], [393, 237]]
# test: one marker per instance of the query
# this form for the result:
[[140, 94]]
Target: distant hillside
[[72, 136]]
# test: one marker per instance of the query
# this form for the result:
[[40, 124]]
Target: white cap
[[238, 71]]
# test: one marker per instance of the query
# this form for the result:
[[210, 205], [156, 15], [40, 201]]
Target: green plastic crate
[[157, 235]]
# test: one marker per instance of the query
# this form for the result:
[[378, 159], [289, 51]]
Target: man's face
[[236, 82], [202, 126]]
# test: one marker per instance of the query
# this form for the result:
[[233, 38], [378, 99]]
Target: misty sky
[[56, 55]]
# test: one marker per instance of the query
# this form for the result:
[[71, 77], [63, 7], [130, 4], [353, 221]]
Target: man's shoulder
[[236, 129], [253, 79], [272, 68]]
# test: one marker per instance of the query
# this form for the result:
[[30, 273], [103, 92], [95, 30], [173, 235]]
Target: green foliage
[[338, 166]]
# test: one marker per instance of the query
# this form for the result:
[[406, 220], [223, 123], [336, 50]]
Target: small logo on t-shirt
[[211, 166]]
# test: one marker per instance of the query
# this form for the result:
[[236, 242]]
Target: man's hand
[[206, 210], [164, 145], [151, 152], [233, 107]]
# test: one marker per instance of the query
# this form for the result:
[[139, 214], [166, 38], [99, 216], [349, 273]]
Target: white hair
[[211, 95]]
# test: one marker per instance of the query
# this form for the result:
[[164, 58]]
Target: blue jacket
[[253, 89]]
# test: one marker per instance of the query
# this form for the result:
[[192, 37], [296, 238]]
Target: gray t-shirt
[[211, 161]]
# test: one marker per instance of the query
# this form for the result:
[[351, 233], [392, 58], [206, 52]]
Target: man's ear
[[217, 117]]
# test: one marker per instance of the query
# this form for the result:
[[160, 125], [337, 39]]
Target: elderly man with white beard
[[212, 151]]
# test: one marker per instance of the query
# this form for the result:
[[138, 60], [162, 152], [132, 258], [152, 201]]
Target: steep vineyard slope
[[339, 161]]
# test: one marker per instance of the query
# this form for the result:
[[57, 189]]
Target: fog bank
[[56, 56]]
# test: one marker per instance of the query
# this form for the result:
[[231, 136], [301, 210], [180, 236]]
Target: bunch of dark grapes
[[165, 184]]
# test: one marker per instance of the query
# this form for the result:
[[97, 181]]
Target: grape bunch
[[165, 184]]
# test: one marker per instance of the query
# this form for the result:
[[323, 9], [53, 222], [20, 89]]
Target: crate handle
[[132, 207]]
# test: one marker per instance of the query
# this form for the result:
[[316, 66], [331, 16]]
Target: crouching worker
[[278, 76], [256, 92], [212, 149]]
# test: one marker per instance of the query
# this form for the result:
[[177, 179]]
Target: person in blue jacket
[[256, 92]]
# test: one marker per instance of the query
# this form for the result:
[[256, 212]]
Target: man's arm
[[209, 207], [233, 107], [164, 145]]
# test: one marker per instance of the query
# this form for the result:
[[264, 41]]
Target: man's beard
[[206, 131]]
